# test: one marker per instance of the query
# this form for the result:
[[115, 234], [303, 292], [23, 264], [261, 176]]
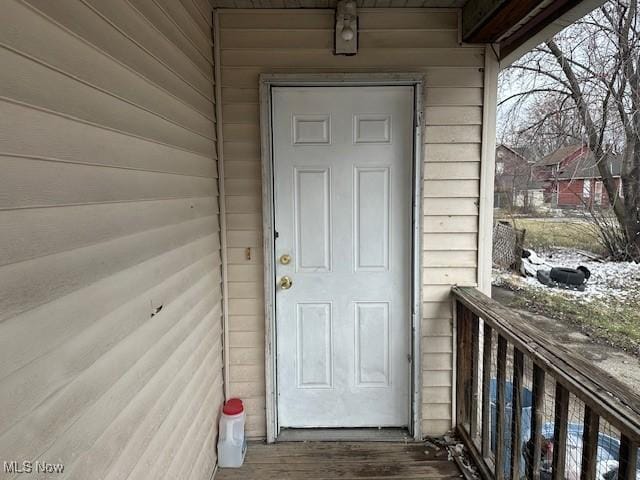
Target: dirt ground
[[618, 364]]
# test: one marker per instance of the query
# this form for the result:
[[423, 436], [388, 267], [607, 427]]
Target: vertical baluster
[[501, 406], [537, 418], [486, 390], [561, 423], [475, 373], [589, 444], [628, 459], [516, 413], [463, 347]]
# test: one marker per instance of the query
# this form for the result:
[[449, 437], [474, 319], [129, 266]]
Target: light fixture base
[[346, 28]]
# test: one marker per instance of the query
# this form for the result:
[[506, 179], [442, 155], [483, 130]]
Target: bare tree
[[584, 84], [548, 125]]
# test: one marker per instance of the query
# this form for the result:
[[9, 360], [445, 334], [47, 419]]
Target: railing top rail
[[604, 394]]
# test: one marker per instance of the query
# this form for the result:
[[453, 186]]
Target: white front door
[[343, 203]]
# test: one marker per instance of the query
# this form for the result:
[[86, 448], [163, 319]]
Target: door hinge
[[409, 358], [419, 119]]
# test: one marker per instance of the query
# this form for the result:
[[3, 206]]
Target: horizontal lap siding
[[254, 42], [110, 266]]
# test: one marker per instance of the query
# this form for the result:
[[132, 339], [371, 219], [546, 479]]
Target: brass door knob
[[286, 283]]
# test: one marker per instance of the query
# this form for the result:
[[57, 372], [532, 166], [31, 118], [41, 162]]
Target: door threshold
[[345, 435]]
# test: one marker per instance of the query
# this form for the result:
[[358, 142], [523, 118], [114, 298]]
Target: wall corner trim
[[217, 75]]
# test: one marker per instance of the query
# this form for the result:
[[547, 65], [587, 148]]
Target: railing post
[[516, 413], [537, 418], [475, 377], [464, 344], [500, 406], [628, 459], [486, 390], [561, 423], [589, 444]]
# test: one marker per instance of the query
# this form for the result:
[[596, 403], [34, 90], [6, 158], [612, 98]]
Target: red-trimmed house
[[572, 178]]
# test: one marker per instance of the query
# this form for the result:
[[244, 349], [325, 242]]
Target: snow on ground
[[620, 280]]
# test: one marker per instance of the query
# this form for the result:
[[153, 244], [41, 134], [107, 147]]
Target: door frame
[[267, 82]]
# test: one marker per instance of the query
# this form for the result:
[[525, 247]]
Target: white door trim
[[267, 81]]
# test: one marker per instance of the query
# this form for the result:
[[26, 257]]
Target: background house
[[572, 180], [515, 184]]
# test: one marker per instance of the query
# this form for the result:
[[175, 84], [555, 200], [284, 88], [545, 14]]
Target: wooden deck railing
[[527, 406]]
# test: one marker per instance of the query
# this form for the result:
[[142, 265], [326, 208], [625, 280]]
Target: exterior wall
[[402, 40], [108, 212], [570, 193]]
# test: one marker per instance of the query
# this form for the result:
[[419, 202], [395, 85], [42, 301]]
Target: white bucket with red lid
[[232, 445]]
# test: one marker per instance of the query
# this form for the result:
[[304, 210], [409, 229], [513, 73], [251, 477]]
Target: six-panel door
[[342, 186]]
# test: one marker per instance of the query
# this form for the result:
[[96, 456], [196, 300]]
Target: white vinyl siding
[[110, 278], [401, 40]]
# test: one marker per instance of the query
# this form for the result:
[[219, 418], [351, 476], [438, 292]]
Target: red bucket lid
[[233, 407]]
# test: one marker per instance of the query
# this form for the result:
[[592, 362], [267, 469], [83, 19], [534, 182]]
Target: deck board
[[341, 460]]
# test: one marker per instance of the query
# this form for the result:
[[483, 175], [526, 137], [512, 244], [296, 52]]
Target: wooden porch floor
[[341, 460]]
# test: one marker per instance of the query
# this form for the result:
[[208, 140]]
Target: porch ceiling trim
[[486, 21], [536, 24], [516, 26], [544, 26]]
